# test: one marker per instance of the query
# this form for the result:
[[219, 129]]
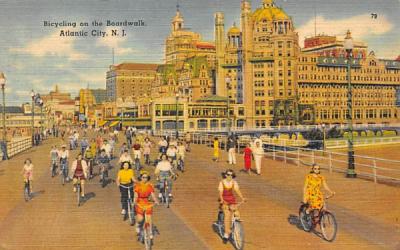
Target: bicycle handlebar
[[127, 187]]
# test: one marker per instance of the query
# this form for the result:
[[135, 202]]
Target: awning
[[114, 123], [128, 123], [102, 123]]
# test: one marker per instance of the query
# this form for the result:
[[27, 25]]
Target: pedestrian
[[258, 153], [247, 158], [216, 149], [232, 150]]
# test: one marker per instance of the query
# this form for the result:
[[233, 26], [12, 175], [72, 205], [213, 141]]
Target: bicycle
[[145, 232], [131, 210], [180, 165], [53, 167], [27, 190], [165, 190], [237, 232], [103, 174], [323, 217], [78, 190], [64, 171]]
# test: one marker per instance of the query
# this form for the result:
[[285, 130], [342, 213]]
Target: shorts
[[140, 209]]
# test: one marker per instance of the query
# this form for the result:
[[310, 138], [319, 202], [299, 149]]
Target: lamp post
[[348, 46], [3, 85], [176, 116], [228, 83], [41, 116], [324, 137], [33, 117]]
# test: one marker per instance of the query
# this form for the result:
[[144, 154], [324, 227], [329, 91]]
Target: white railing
[[18, 145], [377, 169], [362, 142]]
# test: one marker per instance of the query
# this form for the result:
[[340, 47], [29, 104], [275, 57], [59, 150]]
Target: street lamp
[[33, 117], [176, 116], [3, 85], [348, 46], [228, 83]]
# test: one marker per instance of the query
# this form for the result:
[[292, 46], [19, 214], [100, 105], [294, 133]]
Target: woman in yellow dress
[[216, 149], [312, 189]]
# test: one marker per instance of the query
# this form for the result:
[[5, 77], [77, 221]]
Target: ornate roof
[[234, 30], [270, 12]]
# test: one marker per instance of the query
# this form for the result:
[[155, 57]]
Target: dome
[[270, 13], [234, 30]]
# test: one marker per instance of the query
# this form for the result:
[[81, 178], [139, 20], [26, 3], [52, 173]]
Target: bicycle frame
[[129, 204]]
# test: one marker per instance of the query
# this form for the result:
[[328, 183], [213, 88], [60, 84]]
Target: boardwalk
[[368, 214]]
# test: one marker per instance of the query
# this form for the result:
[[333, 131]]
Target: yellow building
[[259, 59], [209, 113], [182, 43], [261, 67], [130, 80]]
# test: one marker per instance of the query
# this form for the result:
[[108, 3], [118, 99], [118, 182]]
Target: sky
[[34, 56]]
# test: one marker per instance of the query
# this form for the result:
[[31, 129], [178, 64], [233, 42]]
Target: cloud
[[53, 45], [114, 42], [361, 26], [390, 51]]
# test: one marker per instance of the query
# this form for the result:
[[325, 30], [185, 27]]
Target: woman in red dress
[[247, 158]]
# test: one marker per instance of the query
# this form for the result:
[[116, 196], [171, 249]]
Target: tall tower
[[220, 49], [177, 22], [246, 51]]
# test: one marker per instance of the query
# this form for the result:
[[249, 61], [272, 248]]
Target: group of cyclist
[[101, 151]]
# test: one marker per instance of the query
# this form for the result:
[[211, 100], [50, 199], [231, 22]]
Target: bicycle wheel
[[130, 214], [305, 219], [328, 226], [238, 235], [147, 240], [26, 192], [78, 192], [166, 195], [62, 177]]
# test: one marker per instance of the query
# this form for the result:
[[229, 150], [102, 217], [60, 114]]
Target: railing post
[[374, 170], [273, 152], [330, 162], [284, 150], [298, 157]]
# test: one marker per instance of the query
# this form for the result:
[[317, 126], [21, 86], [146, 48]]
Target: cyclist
[[112, 146], [89, 157], [84, 145], [143, 190], [171, 153], [64, 156], [180, 153], [103, 160], [99, 143], [79, 169], [188, 140], [125, 157], [146, 150], [128, 135], [162, 145], [54, 156], [137, 151], [226, 189], [164, 172], [312, 189], [27, 172], [107, 148], [126, 177], [123, 148]]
